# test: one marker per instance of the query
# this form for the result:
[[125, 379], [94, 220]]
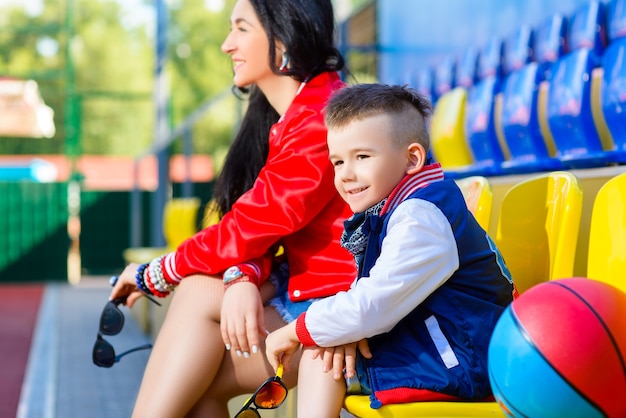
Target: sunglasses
[[270, 395], [111, 323]]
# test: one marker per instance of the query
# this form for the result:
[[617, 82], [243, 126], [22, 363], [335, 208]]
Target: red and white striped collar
[[427, 175]]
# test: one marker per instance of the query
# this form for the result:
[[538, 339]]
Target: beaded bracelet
[[153, 279], [150, 284], [158, 278], [139, 279]]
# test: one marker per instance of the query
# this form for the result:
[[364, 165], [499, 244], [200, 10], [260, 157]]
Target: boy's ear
[[416, 158]]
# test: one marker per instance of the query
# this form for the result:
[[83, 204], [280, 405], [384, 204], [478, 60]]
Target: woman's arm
[[294, 186]]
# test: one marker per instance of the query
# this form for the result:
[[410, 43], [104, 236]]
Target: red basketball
[[560, 345]]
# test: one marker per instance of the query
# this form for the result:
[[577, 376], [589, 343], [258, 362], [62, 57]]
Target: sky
[[33, 7], [134, 12]]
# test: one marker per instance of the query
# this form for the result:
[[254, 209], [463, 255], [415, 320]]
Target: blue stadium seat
[[466, 70], [424, 82], [517, 49], [490, 59], [480, 132], [480, 127], [523, 124], [588, 27], [519, 119], [481, 137], [445, 74], [569, 113], [550, 42], [616, 21], [614, 79], [498, 58]]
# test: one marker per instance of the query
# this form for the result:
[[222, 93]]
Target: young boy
[[431, 283]]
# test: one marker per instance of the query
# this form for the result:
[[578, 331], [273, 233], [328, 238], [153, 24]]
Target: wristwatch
[[231, 274]]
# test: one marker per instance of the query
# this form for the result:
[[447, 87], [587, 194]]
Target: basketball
[[559, 350]]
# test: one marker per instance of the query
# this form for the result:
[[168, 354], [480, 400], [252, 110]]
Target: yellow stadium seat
[[537, 234], [607, 235], [538, 228], [179, 223], [210, 216], [448, 140], [359, 405], [478, 197], [542, 116], [596, 109]]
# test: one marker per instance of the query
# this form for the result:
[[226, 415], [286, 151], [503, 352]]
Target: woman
[[271, 192]]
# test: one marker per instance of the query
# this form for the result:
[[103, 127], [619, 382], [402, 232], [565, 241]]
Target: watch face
[[232, 273]]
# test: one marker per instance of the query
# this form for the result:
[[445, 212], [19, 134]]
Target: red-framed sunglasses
[[270, 395]]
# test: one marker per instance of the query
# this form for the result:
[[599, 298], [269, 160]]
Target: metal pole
[[72, 151], [161, 99], [136, 229], [187, 149]]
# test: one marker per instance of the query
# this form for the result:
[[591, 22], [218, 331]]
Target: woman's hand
[[242, 318], [126, 286], [281, 345]]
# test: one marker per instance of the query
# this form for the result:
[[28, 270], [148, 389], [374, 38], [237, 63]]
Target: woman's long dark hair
[[307, 30]]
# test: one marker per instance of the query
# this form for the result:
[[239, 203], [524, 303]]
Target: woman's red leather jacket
[[293, 202]]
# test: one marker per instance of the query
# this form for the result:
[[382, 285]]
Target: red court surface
[[19, 306]]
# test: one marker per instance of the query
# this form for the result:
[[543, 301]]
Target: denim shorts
[[285, 307], [359, 384]]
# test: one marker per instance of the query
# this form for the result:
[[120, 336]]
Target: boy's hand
[[342, 357], [281, 345], [364, 348]]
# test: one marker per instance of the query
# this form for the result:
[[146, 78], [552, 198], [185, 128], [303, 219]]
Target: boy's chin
[[357, 208]]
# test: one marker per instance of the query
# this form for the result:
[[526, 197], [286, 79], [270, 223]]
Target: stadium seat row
[[545, 98]]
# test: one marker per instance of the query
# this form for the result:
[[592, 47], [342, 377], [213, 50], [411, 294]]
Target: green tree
[[114, 73], [200, 70], [113, 80], [20, 36]]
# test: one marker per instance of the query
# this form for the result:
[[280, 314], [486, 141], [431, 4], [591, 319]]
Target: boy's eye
[[337, 163], [362, 156]]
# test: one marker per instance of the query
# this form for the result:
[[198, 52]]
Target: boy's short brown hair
[[411, 110]]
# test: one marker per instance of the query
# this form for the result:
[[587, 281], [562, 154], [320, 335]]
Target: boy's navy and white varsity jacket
[[431, 287]]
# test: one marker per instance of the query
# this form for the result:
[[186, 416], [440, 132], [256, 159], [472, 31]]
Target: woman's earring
[[283, 64]]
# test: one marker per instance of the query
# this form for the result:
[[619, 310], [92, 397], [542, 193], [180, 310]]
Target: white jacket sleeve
[[418, 255]]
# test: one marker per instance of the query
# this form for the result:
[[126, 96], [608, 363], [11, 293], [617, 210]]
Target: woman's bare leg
[[239, 375], [319, 395], [188, 351]]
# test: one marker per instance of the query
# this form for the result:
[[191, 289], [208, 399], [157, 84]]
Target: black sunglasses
[[270, 395], [111, 323]]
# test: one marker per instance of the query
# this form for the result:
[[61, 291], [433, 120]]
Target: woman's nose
[[227, 45]]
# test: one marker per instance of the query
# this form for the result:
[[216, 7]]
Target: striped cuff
[[169, 269], [251, 270]]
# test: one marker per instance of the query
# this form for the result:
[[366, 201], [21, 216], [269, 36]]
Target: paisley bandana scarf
[[353, 238]]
